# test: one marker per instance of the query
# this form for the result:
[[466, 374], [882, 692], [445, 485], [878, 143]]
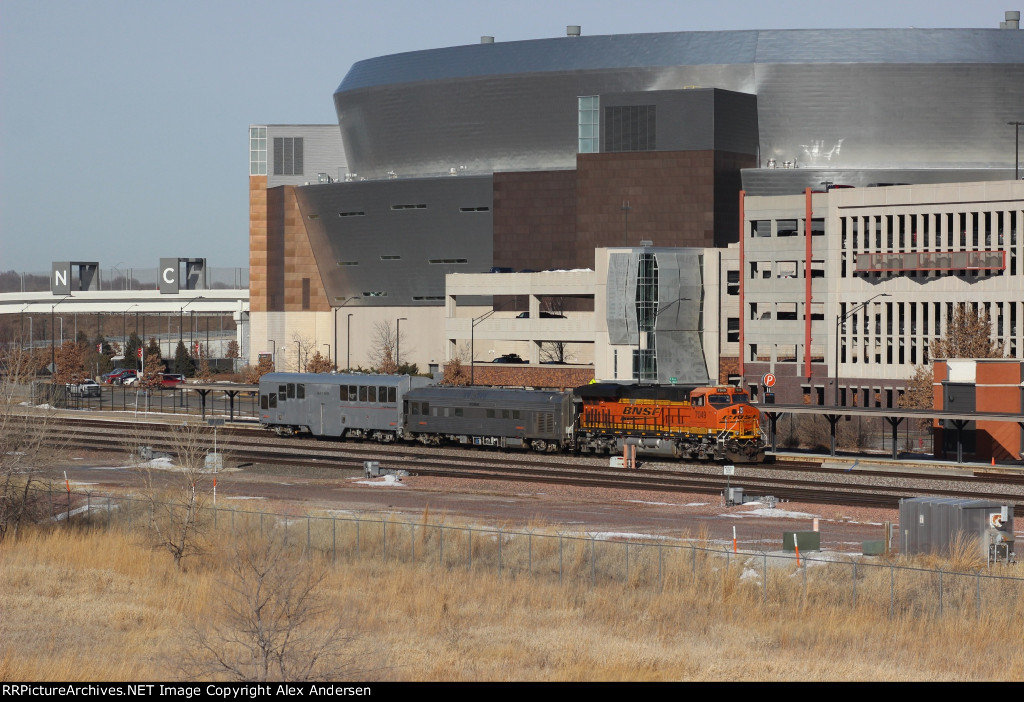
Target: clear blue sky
[[123, 123]]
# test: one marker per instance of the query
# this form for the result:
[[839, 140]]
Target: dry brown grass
[[78, 605]]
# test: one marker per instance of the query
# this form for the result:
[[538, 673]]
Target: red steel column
[[743, 277], [807, 284]]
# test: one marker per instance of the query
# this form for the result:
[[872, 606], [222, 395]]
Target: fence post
[[805, 582], [661, 579], [855, 583], [334, 539], [529, 551], [764, 587], [559, 559], [593, 561], [977, 579], [470, 567], [627, 562], [88, 505], [892, 591], [309, 541], [693, 560], [412, 541], [108, 514], [499, 553], [440, 544], [358, 522], [385, 523], [940, 593]]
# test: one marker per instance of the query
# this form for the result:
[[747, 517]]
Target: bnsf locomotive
[[704, 423]]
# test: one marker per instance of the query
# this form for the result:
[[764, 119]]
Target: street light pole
[[398, 341], [348, 342], [1016, 148], [328, 352], [839, 320], [53, 355]]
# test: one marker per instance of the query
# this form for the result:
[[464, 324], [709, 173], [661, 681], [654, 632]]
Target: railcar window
[[505, 414], [353, 393], [415, 408], [371, 393], [490, 414], [392, 394], [515, 414], [300, 391], [282, 391], [426, 408], [382, 394], [291, 391], [264, 402], [458, 411], [273, 401], [362, 393]]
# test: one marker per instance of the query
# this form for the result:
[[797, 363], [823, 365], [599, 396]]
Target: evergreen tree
[[183, 362], [131, 351]]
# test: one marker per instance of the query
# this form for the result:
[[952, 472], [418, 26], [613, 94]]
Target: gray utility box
[[932, 524]]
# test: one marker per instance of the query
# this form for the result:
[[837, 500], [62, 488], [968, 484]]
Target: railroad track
[[804, 481]]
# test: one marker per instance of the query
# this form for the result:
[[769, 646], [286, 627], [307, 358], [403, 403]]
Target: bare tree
[[304, 348], [384, 347], [968, 335], [27, 442], [274, 621], [176, 494]]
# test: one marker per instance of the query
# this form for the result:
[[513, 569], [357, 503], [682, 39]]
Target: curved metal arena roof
[[854, 99]]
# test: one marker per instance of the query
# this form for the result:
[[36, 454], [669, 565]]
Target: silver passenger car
[[350, 405], [541, 420]]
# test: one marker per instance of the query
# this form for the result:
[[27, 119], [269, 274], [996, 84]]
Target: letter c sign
[[169, 276]]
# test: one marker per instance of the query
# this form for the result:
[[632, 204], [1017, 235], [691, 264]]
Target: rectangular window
[[375, 293], [257, 151], [418, 206], [300, 392], [282, 392], [733, 324], [348, 263], [362, 393], [264, 402], [288, 156], [490, 414], [371, 393], [291, 391], [475, 209], [630, 128], [426, 408], [588, 126], [732, 282], [447, 260], [390, 258], [414, 408], [305, 293], [351, 214], [353, 393]]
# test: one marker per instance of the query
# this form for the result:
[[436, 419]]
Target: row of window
[[394, 257], [420, 206], [423, 409]]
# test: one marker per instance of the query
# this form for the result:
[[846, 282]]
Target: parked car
[[124, 375], [509, 358], [108, 378], [170, 380], [87, 387], [131, 379]]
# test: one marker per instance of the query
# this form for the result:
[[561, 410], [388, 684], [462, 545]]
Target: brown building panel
[[503, 375], [286, 258], [534, 220], [258, 243]]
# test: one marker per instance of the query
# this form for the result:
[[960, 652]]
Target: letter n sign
[[168, 276], [60, 278]]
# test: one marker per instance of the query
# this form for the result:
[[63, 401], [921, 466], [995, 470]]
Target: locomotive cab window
[[719, 400], [698, 401]]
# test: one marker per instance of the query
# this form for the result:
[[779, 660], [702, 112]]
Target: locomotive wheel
[[539, 445]]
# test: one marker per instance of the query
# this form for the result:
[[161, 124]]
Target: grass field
[[89, 605]]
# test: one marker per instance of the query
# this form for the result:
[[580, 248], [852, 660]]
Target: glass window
[[273, 401], [392, 394], [288, 158], [589, 127], [291, 391], [371, 393], [415, 408], [264, 402], [257, 151], [362, 393], [282, 392], [353, 393], [426, 408], [490, 414]]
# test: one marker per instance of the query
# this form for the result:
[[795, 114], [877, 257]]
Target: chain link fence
[[890, 588]]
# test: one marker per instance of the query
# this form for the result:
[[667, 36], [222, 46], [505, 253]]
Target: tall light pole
[[839, 320], [53, 362], [348, 342], [328, 351], [124, 323], [181, 325], [625, 222], [1016, 148], [398, 341]]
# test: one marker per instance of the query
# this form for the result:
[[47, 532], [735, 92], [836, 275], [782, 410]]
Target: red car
[[170, 380], [118, 377]]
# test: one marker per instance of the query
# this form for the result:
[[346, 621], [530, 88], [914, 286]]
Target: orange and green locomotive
[[701, 423]]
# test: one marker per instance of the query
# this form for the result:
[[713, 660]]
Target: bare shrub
[[273, 621]]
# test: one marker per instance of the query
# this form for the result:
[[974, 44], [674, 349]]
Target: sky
[[124, 124]]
